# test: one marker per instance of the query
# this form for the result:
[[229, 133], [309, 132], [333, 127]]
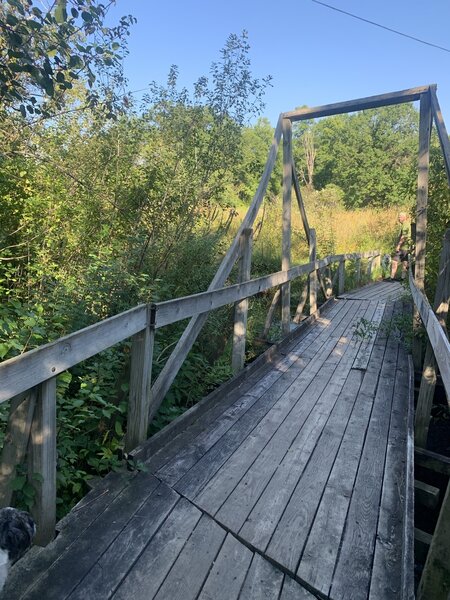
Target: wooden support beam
[[421, 215], [422, 542], [313, 274], [425, 494], [301, 304], [241, 308], [301, 204], [271, 313], [15, 444], [341, 277], [42, 462], [286, 225], [435, 580], [432, 461], [140, 383], [185, 343], [441, 130], [429, 375], [400, 97]]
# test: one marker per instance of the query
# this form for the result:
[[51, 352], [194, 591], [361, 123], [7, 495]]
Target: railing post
[[140, 383], [377, 261], [358, 271], [42, 462], [341, 277], [421, 215], [286, 224], [313, 274], [428, 381], [241, 308]]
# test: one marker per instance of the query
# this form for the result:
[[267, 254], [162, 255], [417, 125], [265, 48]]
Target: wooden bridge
[[295, 478]]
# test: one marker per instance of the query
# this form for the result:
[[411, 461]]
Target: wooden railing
[[30, 379]]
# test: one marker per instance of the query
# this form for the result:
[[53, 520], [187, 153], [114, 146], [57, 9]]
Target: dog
[[17, 530]]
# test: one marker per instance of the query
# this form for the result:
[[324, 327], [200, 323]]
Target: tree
[[44, 52]]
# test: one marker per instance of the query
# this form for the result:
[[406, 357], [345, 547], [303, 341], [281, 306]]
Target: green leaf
[[61, 11], [118, 428], [18, 482]]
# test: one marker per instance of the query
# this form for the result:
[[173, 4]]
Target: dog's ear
[[19, 536]]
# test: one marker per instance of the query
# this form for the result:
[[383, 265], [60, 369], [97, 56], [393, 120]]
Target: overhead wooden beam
[[360, 104]]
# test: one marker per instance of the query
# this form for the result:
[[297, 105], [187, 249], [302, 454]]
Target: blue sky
[[315, 55]]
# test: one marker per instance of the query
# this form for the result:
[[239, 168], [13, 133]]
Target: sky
[[315, 55]]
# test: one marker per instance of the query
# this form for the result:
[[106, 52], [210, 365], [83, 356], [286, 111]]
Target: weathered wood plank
[[186, 577], [241, 308], [422, 543], [42, 461], [75, 562], [150, 571], [23, 372], [363, 357], [263, 581], [341, 277], [313, 274], [425, 494], [387, 567], [16, 441], [228, 572], [301, 204], [294, 591], [107, 573], [140, 385], [389, 99], [286, 225], [432, 460], [358, 542], [421, 214]]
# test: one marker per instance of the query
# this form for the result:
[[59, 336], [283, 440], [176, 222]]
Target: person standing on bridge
[[401, 253]]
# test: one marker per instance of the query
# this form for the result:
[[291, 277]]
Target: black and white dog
[[17, 529]]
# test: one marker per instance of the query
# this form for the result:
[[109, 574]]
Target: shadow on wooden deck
[[296, 482]]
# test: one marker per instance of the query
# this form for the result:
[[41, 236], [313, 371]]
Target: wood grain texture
[[441, 130], [241, 308], [263, 581], [286, 219]]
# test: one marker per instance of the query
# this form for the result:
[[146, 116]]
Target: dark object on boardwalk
[[17, 529]]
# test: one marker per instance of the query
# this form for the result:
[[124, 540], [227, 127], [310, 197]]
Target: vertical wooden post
[[313, 274], [358, 272], [341, 277], [428, 382], [286, 224], [421, 214], [435, 580], [140, 383], [377, 261], [42, 462], [329, 283], [241, 308]]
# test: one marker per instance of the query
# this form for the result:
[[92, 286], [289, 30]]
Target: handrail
[[21, 373], [438, 339]]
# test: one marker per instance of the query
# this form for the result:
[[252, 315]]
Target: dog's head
[[17, 529]]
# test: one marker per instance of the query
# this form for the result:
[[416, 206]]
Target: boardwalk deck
[[294, 485]]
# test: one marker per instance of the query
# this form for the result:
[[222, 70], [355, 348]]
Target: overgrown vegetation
[[99, 214]]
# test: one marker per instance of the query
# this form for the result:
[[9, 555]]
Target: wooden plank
[[186, 577], [140, 385], [409, 95], [421, 214], [23, 372], [441, 130], [422, 542], [16, 441], [263, 581], [435, 580], [228, 572], [294, 591], [356, 553], [321, 551], [241, 308], [75, 561], [26, 574], [286, 225], [301, 204], [313, 274], [341, 277], [207, 466], [262, 454], [291, 533], [387, 579], [429, 376], [433, 461], [363, 357], [273, 384], [150, 571], [426, 495], [176, 359], [107, 573], [42, 461]]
